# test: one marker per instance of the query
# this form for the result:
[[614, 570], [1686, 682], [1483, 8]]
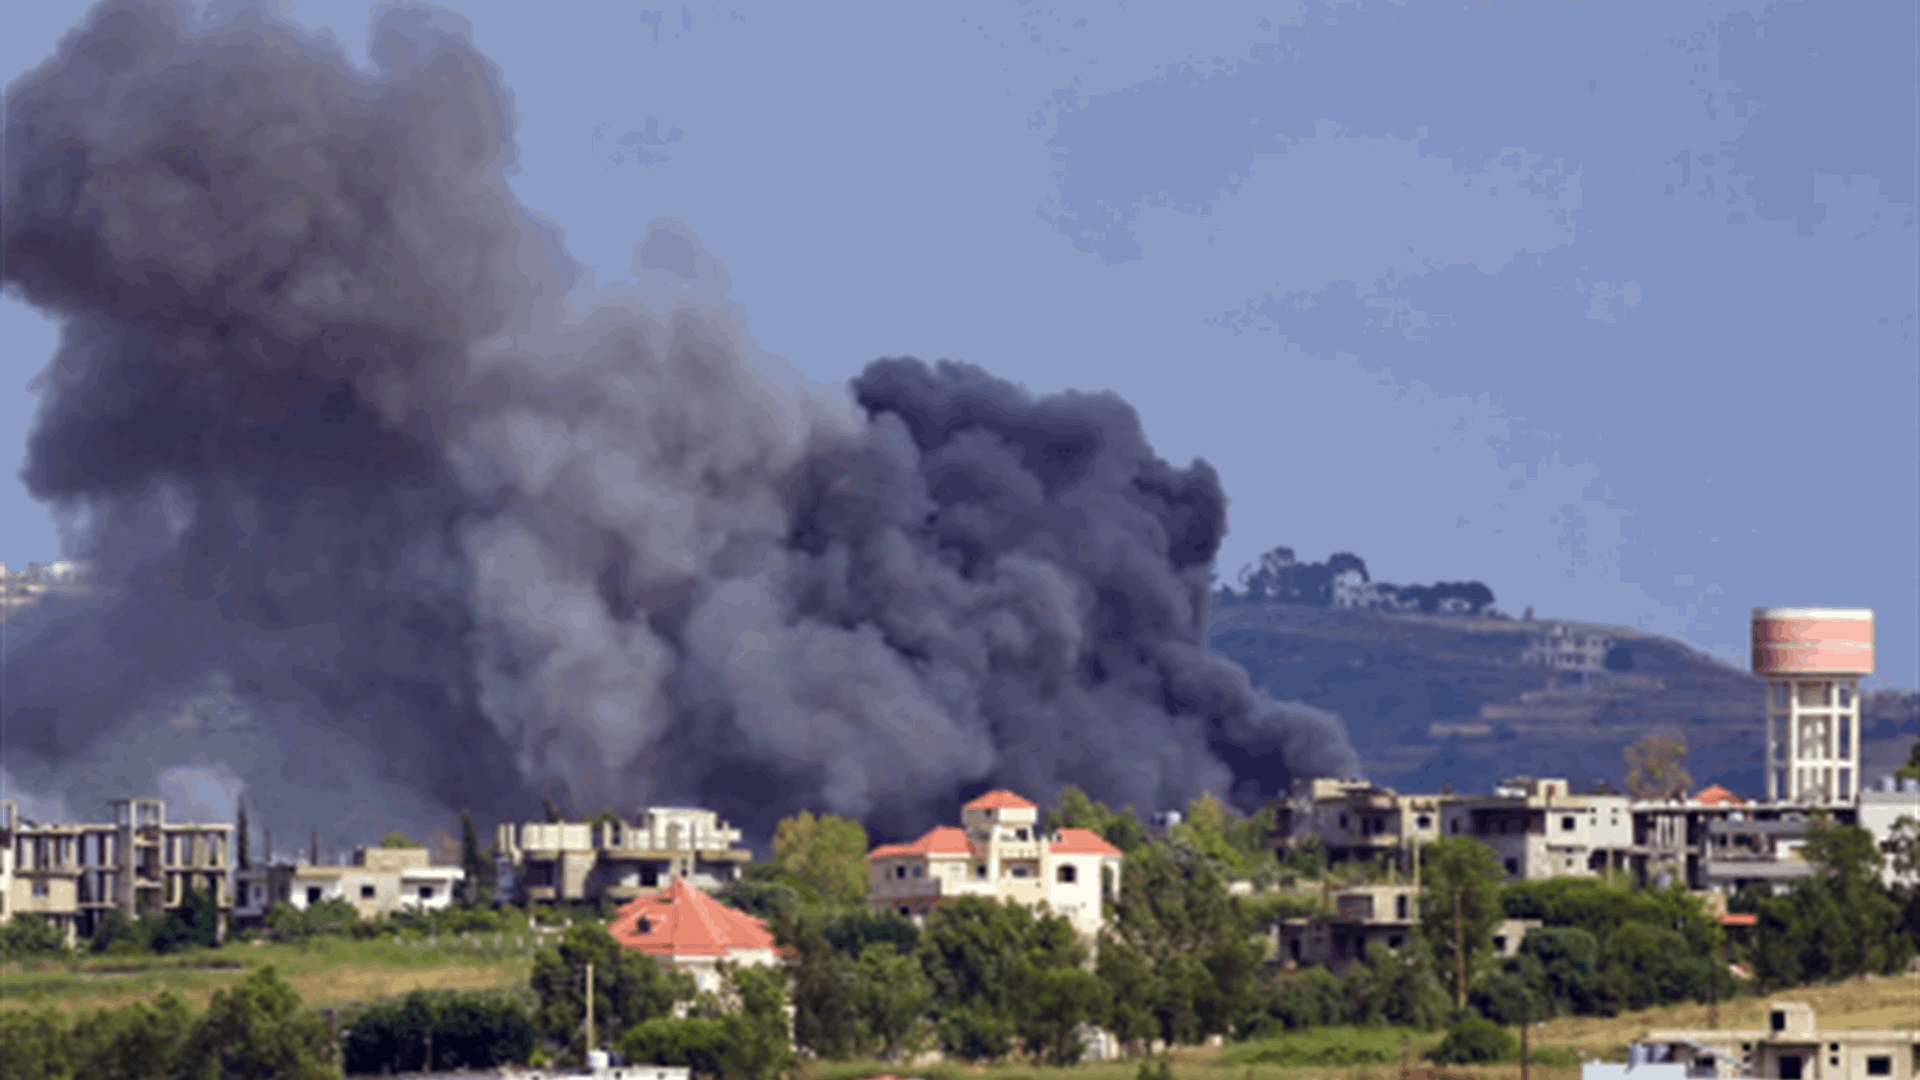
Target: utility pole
[[589, 1007], [1459, 956], [1526, 1021]]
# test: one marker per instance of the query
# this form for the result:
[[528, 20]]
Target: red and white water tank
[[1813, 660]]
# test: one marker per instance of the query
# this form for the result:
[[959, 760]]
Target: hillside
[[1432, 699]]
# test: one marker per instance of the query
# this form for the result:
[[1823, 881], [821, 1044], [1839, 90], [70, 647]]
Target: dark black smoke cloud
[[330, 434]]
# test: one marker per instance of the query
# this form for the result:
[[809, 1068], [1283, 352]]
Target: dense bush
[[30, 935], [463, 1030], [1473, 1041]]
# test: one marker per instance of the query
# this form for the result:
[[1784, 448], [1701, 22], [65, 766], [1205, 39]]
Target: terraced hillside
[[1434, 699]]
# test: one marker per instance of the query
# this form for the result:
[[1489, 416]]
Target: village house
[[72, 875], [686, 930], [998, 852], [614, 859]]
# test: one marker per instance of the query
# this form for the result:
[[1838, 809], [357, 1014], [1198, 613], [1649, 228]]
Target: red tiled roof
[[944, 840], [1718, 796], [1081, 842], [1000, 800], [1739, 919], [680, 920]]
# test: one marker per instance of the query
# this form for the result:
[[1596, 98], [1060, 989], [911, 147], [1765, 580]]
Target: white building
[[998, 853], [380, 881], [1881, 810]]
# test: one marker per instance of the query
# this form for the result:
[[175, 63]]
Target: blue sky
[[1610, 306]]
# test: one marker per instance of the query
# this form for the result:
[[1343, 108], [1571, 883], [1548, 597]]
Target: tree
[[1122, 829], [986, 961], [893, 995], [1474, 1041], [1200, 942], [1569, 959], [259, 1031], [1902, 848], [827, 854], [396, 839], [628, 986], [1911, 770], [1655, 768], [743, 1038], [477, 887], [194, 924], [1059, 1002], [144, 1040], [1459, 907], [241, 846]]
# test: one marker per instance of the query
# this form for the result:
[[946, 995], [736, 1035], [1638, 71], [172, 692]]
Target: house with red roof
[[998, 851], [684, 929]]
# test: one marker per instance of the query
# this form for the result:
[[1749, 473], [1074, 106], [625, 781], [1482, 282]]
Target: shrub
[[29, 935], [1472, 1041]]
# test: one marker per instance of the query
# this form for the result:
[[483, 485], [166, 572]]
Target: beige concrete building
[[1355, 820], [615, 859], [72, 875], [379, 882], [1791, 1047], [1362, 916], [998, 852], [1539, 829]]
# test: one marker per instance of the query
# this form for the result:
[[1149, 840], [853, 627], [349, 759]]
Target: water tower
[[1812, 659]]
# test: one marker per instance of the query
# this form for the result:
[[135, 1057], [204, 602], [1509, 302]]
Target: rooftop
[[1000, 800], [683, 921]]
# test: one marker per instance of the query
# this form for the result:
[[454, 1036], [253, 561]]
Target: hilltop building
[[614, 859], [684, 929], [379, 882], [998, 852], [1363, 916], [72, 875]]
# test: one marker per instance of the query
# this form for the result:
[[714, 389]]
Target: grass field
[[325, 972]]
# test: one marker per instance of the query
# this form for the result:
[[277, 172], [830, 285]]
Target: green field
[[326, 971]]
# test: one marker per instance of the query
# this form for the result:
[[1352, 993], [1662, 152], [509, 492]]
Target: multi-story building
[[998, 852], [1539, 829], [1882, 810], [1354, 820], [1790, 1047], [1571, 653], [614, 859], [380, 881], [72, 875]]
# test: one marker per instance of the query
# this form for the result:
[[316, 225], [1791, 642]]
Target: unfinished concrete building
[[614, 859], [72, 875]]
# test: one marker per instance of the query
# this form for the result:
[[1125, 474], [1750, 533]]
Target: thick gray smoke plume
[[331, 433]]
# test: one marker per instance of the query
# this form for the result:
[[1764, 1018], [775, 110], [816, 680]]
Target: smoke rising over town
[[417, 536]]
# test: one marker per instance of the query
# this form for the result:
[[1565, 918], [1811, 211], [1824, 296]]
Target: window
[[259, 894], [1513, 868], [1343, 821], [366, 892], [980, 871], [1066, 875], [1790, 1067], [1456, 826], [1020, 871], [1393, 942], [1778, 1021], [1424, 821], [919, 871], [1499, 943], [426, 892], [1880, 1065], [313, 894], [1399, 910], [905, 911], [899, 872], [39, 888], [1566, 823], [1020, 835]]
